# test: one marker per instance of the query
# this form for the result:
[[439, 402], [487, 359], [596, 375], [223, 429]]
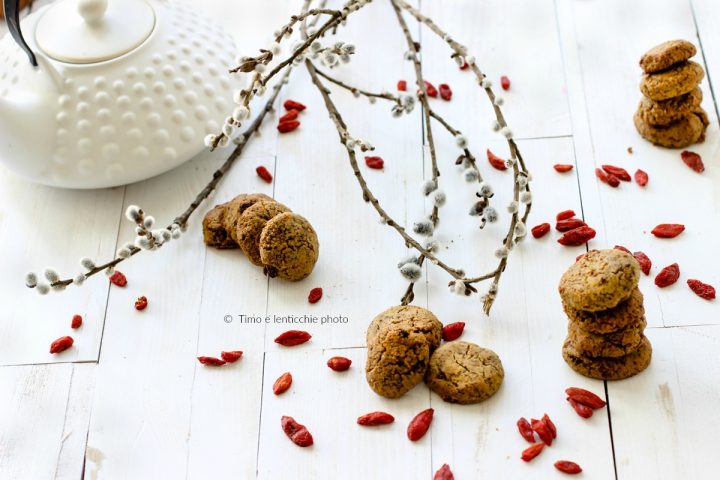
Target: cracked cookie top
[[289, 247]]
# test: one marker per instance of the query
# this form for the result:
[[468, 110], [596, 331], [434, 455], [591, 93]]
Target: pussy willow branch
[[358, 91]]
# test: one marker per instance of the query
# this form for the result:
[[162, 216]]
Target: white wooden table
[[130, 401]]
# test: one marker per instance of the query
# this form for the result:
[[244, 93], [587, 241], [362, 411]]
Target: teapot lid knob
[[92, 11]]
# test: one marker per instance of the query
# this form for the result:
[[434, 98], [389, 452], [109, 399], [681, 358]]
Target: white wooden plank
[[704, 11]]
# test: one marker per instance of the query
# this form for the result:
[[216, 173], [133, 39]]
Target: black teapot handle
[[12, 18]]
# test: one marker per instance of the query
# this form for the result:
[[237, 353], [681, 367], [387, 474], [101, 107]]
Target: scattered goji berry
[[702, 290], [464, 66], [211, 361], [553, 429], [452, 331], [282, 383], [542, 430], [565, 215], [619, 172], [582, 410], [376, 163], [644, 261], [141, 303], [232, 356], [61, 344], [430, 89], [601, 175], [496, 162], [563, 167], [525, 429], [296, 432], [565, 466], [505, 82], [622, 249], [288, 126], [339, 364], [541, 230], [576, 237], [374, 419], [290, 115], [293, 105], [420, 424], [315, 295], [569, 224], [612, 180], [118, 279], [292, 338], [532, 452], [263, 173], [76, 321], [445, 91], [444, 473], [668, 276], [402, 85], [590, 399], [668, 230], [693, 160], [641, 177]]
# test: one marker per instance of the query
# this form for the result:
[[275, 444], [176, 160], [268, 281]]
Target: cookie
[[289, 247], [671, 110], [609, 368], [236, 207], [462, 372], [676, 81], [666, 55], [679, 134], [626, 314], [410, 318], [614, 344], [397, 361], [600, 280], [214, 233], [251, 223]]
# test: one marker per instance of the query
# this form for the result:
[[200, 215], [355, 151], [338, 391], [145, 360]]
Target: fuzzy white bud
[[470, 59], [486, 189], [133, 213], [512, 207], [526, 197], [123, 253], [87, 263], [411, 271], [31, 279], [471, 175], [79, 279], [176, 234], [439, 198], [274, 48], [431, 245], [149, 221], [142, 242], [43, 288], [495, 126], [428, 187], [486, 83], [240, 113], [522, 181], [209, 139], [501, 252], [499, 101], [423, 227], [408, 259], [506, 132], [457, 287], [491, 215], [461, 141], [520, 229], [51, 275]]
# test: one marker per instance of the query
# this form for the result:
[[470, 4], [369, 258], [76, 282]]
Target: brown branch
[[358, 91]]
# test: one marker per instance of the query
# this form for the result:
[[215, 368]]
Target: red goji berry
[[61, 344], [612, 180], [292, 338], [452, 331], [231, 357], [541, 230], [445, 91], [402, 85], [315, 295], [290, 115], [565, 466], [668, 276], [622, 249], [118, 279], [444, 473], [288, 126], [263, 173], [668, 230], [563, 167], [376, 163], [644, 261], [495, 161], [551, 426], [619, 172], [464, 66], [76, 321], [582, 410], [576, 237], [211, 361], [702, 290], [641, 178], [601, 175], [525, 429], [339, 364], [569, 224], [293, 105], [374, 419], [693, 160], [430, 89], [299, 434], [282, 383], [532, 452], [565, 215], [420, 424], [590, 399], [141, 303], [505, 82], [542, 430]]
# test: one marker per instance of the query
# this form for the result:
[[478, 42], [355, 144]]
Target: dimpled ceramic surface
[[120, 121]]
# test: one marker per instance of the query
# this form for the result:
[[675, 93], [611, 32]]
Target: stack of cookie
[[267, 232], [670, 114], [601, 298]]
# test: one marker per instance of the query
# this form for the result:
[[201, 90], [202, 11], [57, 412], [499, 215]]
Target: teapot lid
[[91, 31]]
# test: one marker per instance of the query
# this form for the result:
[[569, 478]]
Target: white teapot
[[102, 93]]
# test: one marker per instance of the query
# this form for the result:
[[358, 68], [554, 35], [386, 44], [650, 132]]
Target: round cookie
[[627, 313], [396, 362], [600, 280], [214, 233], [237, 206], [409, 318], [615, 344], [679, 134], [671, 110], [462, 372], [289, 247], [609, 368], [681, 79], [251, 224], [666, 55]]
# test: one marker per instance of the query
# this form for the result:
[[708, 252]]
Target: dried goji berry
[[420, 424], [296, 432], [445, 91], [668, 230], [141, 303], [263, 173], [288, 126], [292, 338], [612, 180], [76, 321], [293, 105], [402, 85], [118, 279], [376, 163], [568, 467], [589, 398], [641, 178], [569, 224], [702, 290], [565, 215], [231, 357], [622, 249], [525, 429], [496, 161], [553, 429], [464, 66], [576, 237], [542, 430], [601, 175], [444, 473], [211, 361], [582, 410], [563, 167], [290, 115], [375, 418], [282, 383], [532, 452], [644, 261], [339, 364], [61, 344], [619, 172], [505, 82], [693, 160], [668, 276], [541, 230], [452, 331], [430, 89], [315, 295]]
